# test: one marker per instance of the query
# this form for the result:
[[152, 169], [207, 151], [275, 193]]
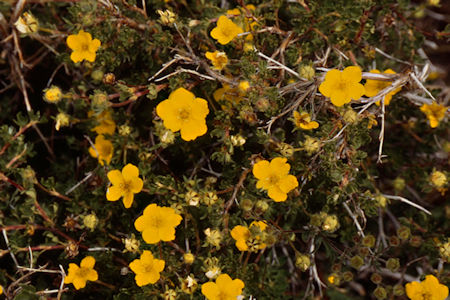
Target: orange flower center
[[125, 186], [82, 272], [85, 47], [273, 179], [426, 296], [183, 114], [148, 268]]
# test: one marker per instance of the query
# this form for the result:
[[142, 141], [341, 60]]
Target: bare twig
[[404, 200]]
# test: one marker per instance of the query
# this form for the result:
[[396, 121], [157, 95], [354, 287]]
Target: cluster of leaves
[[346, 231]]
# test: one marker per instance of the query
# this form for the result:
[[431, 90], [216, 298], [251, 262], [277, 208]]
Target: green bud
[[302, 262], [399, 184], [347, 276], [403, 233], [246, 204], [363, 251], [398, 290], [380, 293], [415, 241], [356, 262], [261, 206], [368, 241], [97, 75], [152, 91], [376, 278], [394, 241], [393, 264]]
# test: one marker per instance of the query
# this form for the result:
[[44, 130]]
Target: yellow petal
[[166, 111], [89, 56], [129, 172], [79, 282], [73, 42], [193, 129], [181, 93], [128, 200], [150, 235], [115, 176], [339, 97], [200, 109], [210, 290], [276, 194], [279, 166], [114, 193], [288, 183], [94, 45], [261, 169], [352, 73], [356, 91], [240, 233], [167, 233], [88, 262], [136, 185], [92, 275], [76, 56]]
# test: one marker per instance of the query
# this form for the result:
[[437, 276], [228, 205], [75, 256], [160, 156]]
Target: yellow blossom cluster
[[428, 289]]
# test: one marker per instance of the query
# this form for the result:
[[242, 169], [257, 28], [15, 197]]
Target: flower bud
[[192, 198], [330, 223], [368, 241], [63, 120], [27, 23], [380, 293], [394, 241], [237, 140], [399, 184], [170, 295], [438, 179], [97, 75], [261, 206], [302, 262], [415, 241], [398, 290], [188, 258], [376, 278], [444, 251], [347, 276], [109, 78], [350, 116], [356, 262], [53, 94], [90, 221], [393, 264], [403, 233], [381, 201], [246, 204], [334, 279], [189, 285], [307, 72]]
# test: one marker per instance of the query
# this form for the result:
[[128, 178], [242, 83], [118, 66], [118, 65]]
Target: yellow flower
[[103, 150], [83, 46], [218, 59], [224, 288], [166, 17], [438, 179], [182, 111], [1, 290], [303, 120], [225, 31], [79, 275], [373, 87], [157, 224], [274, 177], [106, 123], [62, 119], [429, 289], [27, 23], [213, 237], [342, 86], [125, 183], [243, 236], [53, 94], [188, 258], [147, 268], [434, 112]]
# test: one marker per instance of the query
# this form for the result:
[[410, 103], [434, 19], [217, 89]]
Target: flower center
[[125, 186], [85, 47], [82, 272], [273, 179], [426, 296], [148, 268], [183, 114]]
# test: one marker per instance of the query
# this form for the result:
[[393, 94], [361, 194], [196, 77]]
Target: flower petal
[[113, 193], [210, 290], [261, 169], [115, 176], [136, 185], [288, 183], [129, 172], [352, 73], [128, 200], [276, 194], [88, 262], [152, 236]]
